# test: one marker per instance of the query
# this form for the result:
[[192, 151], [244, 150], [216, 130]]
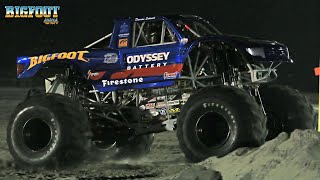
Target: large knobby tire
[[48, 131], [217, 120], [287, 109]]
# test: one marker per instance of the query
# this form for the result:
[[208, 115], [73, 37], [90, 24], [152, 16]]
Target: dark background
[[295, 23]]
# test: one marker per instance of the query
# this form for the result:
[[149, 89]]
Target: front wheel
[[217, 120]]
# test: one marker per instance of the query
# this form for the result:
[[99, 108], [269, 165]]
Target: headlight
[[256, 52]]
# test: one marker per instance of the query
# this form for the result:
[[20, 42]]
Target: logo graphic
[[121, 81], [35, 60], [174, 110], [123, 43], [167, 75], [163, 111], [49, 13], [124, 28], [110, 58], [95, 75], [142, 58]]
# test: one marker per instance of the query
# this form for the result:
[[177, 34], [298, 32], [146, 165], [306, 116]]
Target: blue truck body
[[121, 66]]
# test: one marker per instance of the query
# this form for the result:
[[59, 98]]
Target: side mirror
[[184, 41]]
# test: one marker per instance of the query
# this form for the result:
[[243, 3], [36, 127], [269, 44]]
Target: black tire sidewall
[[20, 149]]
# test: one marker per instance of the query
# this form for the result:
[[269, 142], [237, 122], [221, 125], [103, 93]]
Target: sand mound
[[199, 173], [286, 157]]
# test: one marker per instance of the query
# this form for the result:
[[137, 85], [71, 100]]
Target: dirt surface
[[278, 159]]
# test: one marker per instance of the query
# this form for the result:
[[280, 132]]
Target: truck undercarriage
[[145, 111]]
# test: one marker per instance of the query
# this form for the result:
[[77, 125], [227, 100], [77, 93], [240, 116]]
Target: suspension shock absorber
[[258, 97]]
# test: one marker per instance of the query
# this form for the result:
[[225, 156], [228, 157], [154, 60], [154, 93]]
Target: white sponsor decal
[[185, 96], [206, 105], [94, 74], [153, 99], [124, 35], [161, 97], [145, 18], [174, 102], [145, 58], [148, 57], [146, 66], [122, 81], [161, 105], [150, 105], [167, 75]]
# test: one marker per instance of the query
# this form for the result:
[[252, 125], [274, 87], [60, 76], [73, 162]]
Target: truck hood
[[260, 50], [250, 41]]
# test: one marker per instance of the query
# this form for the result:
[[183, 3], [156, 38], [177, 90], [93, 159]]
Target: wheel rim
[[212, 130], [37, 134]]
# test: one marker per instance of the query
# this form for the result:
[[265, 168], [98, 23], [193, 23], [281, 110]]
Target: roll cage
[[166, 30]]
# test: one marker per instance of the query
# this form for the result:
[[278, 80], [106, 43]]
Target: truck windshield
[[195, 27]]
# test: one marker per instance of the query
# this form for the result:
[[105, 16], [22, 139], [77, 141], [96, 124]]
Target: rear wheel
[[287, 109], [48, 131], [217, 120]]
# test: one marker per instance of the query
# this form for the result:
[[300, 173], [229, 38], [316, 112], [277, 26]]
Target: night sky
[[295, 23]]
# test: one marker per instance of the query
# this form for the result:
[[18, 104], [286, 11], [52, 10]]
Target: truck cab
[[144, 50], [148, 51]]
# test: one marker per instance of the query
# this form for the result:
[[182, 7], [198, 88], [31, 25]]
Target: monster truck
[[154, 74]]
